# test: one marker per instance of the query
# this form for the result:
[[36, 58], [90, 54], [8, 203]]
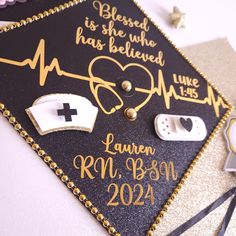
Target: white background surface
[[32, 199], [205, 20]]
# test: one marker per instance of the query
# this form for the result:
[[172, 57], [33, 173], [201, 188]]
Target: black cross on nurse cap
[[67, 112]]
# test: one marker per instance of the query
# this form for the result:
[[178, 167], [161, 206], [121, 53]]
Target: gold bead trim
[[40, 16], [212, 135], [59, 172], [187, 173], [47, 159], [180, 52], [76, 191]]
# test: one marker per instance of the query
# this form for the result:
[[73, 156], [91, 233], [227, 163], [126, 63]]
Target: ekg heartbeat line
[[160, 90]]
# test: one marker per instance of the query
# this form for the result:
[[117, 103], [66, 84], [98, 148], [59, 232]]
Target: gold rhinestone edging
[[40, 152], [189, 170], [59, 172], [180, 52], [40, 15], [212, 135]]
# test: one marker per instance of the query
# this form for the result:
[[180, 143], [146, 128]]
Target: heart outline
[[104, 84]]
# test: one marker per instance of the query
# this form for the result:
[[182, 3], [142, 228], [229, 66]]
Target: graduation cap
[[91, 49]]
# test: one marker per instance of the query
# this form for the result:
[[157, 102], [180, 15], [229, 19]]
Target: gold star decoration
[[177, 18]]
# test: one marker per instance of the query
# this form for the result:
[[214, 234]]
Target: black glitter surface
[[19, 87]]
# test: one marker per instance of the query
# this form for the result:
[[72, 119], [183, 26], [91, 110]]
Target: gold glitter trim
[[59, 172]]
